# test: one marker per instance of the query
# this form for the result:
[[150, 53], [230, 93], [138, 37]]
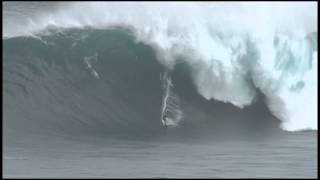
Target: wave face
[[73, 59], [102, 82]]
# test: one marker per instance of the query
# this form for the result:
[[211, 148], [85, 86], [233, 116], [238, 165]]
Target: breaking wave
[[113, 57]]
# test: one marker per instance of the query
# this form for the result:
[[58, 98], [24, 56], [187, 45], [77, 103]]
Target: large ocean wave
[[112, 55], [102, 82]]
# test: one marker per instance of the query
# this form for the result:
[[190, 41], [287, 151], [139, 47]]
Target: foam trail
[[170, 102], [89, 60]]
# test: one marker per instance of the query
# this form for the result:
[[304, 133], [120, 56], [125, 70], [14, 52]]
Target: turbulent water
[[74, 72]]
